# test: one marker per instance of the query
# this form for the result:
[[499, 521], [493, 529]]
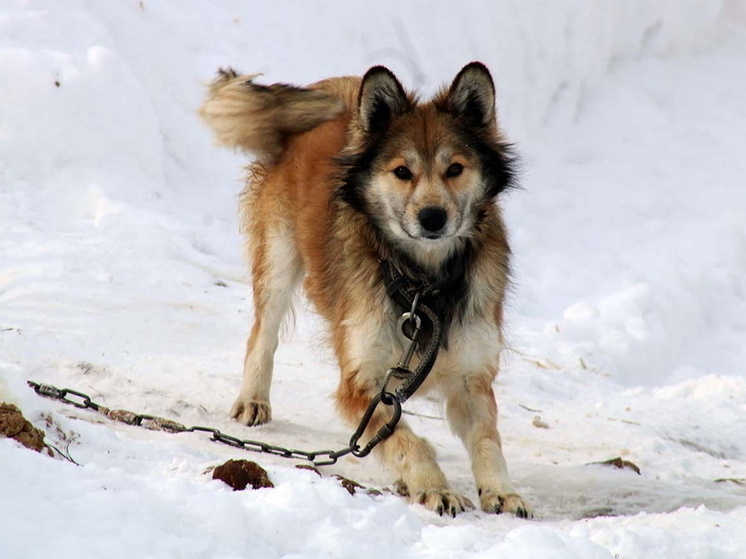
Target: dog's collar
[[412, 297], [402, 287], [444, 293], [396, 281]]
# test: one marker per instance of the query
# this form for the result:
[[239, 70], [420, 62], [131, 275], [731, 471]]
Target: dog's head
[[424, 173]]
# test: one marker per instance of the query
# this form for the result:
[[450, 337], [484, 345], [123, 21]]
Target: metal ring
[[409, 317]]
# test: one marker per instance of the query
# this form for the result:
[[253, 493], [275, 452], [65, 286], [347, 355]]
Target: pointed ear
[[382, 99], [472, 95]]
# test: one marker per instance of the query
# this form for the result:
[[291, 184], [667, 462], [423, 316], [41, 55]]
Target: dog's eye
[[403, 173], [454, 170]]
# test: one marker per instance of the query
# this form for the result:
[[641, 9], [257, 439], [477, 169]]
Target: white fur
[[283, 277]]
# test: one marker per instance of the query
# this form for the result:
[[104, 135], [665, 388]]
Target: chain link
[[63, 395], [155, 423], [409, 325]]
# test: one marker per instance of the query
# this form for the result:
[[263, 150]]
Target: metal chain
[[155, 423], [410, 329]]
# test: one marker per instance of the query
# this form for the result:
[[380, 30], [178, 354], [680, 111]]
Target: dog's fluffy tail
[[259, 118]]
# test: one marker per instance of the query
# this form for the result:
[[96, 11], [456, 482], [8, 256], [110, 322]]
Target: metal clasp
[[409, 326], [386, 429]]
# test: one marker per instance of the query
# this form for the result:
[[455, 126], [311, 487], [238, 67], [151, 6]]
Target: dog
[[351, 172]]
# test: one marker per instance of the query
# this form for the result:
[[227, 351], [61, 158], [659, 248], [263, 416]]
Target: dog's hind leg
[[276, 272]]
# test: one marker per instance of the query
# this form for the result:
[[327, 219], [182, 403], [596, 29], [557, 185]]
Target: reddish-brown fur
[[298, 226]]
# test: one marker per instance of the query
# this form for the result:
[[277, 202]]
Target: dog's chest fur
[[349, 290]]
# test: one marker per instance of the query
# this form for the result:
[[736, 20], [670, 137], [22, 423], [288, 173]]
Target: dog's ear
[[382, 99], [472, 95]]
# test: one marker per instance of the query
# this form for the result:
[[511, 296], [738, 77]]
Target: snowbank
[[106, 91], [121, 274]]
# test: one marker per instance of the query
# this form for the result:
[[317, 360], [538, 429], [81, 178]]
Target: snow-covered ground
[[121, 275]]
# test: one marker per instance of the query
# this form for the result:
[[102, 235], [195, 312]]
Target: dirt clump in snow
[[400, 488], [351, 486], [348, 484], [310, 468], [13, 425], [241, 473], [619, 463]]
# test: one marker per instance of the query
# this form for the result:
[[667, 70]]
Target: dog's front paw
[[497, 503], [250, 412], [442, 501]]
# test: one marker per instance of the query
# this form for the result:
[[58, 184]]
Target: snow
[[121, 275]]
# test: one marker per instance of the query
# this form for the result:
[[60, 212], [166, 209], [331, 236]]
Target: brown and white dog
[[350, 172]]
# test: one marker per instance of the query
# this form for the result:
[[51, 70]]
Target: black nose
[[432, 218]]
